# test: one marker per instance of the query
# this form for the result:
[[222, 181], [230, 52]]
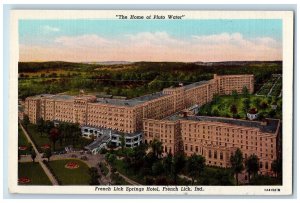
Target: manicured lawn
[[77, 176], [37, 138], [34, 172], [43, 139], [221, 107], [119, 165], [22, 141], [265, 89]]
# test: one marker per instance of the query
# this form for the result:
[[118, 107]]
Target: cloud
[[48, 28], [155, 46]]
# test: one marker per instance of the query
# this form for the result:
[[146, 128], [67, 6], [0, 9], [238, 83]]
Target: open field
[[77, 176], [34, 172]]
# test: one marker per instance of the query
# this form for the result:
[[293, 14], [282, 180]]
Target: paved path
[[92, 161], [273, 86], [130, 181], [40, 159]]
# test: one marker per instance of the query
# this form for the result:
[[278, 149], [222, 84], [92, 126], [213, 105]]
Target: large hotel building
[[169, 117]]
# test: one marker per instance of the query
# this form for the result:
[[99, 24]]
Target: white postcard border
[[287, 145]]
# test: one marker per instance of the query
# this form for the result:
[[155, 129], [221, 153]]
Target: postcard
[[151, 102]]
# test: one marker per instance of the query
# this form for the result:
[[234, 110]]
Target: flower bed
[[22, 148], [72, 165], [45, 146], [24, 180]]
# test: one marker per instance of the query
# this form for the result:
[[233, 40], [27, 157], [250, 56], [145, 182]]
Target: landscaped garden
[[274, 82], [237, 106], [143, 166], [32, 174], [43, 139], [70, 171]]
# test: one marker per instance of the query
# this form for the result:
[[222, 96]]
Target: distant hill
[[236, 63], [110, 62], [143, 66]]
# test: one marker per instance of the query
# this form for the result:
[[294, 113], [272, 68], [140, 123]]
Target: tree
[[177, 166], [233, 110], [236, 161], [122, 138], [215, 112], [235, 95], [48, 153], [26, 121], [263, 105], [111, 158], [48, 126], [167, 164], [94, 176], [40, 125], [157, 168], [245, 91], [256, 102], [195, 166], [276, 167], [252, 165], [33, 155], [246, 105], [157, 148], [54, 136]]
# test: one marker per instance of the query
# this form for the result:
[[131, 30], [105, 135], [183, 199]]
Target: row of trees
[[65, 133], [150, 163], [251, 164]]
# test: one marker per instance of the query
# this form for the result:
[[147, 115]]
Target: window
[[221, 155], [209, 153], [267, 166], [215, 155]]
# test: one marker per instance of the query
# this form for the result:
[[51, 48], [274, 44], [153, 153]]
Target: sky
[[150, 40]]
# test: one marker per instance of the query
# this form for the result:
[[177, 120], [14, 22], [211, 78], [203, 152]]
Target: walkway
[[40, 159], [273, 86], [92, 161], [130, 181]]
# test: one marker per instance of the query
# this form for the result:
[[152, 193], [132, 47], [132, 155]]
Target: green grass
[[42, 140], [37, 138], [22, 141], [78, 176], [119, 165], [222, 104], [216, 176], [34, 172], [265, 180], [265, 89]]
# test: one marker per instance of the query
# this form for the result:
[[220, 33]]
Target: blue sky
[[32, 30], [237, 34]]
